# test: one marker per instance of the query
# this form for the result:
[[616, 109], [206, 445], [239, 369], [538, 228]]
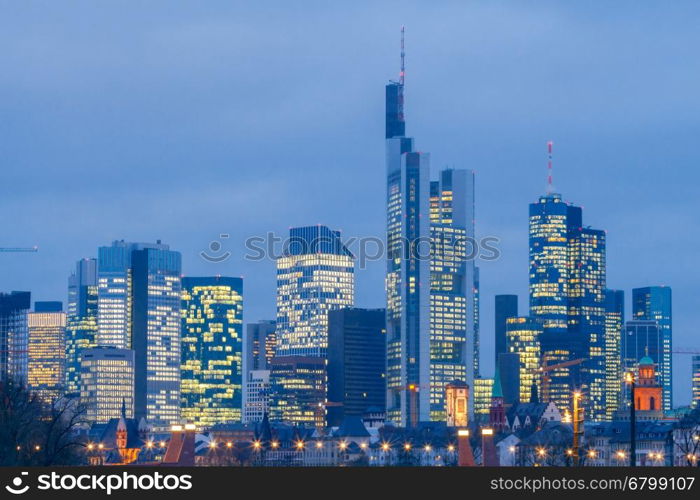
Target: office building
[[523, 338], [408, 269], [641, 339], [483, 388], [454, 342], [14, 336], [256, 396], [506, 306], [314, 276], [653, 303], [46, 351], [567, 295], [139, 309], [614, 324], [212, 346], [81, 319], [356, 363], [107, 383], [298, 390]]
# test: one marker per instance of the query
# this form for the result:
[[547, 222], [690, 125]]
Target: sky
[[182, 121]]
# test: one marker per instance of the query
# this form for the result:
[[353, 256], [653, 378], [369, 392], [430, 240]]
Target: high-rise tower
[[567, 296], [408, 266]]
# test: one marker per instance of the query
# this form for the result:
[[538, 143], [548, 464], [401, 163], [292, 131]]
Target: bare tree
[[686, 437]]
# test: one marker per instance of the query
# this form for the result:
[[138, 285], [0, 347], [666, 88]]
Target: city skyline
[[45, 273]]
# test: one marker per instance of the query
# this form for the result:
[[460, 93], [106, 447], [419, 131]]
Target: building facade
[[139, 308], [356, 363], [107, 383], [696, 381], [614, 324], [505, 306], [640, 339], [567, 296], [315, 275], [453, 297], [46, 350], [256, 396], [212, 346], [14, 336], [298, 390], [653, 303], [81, 319], [523, 339], [259, 346]]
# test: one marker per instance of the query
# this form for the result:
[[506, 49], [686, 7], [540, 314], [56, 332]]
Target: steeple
[[123, 408], [497, 389], [534, 398]]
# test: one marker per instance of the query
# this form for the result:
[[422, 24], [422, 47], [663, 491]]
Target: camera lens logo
[[17, 483], [215, 246]]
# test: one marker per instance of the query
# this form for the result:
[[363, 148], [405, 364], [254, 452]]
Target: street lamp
[[385, 446], [629, 378], [300, 445]]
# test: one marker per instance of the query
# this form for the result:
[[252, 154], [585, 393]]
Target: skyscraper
[[46, 350], [356, 362], [614, 323], [212, 345], [653, 303], [314, 276], [298, 390], [453, 286], [408, 269], [259, 346], [641, 339], [14, 334], [107, 383], [567, 285], [523, 338], [139, 309], [506, 306], [81, 320]]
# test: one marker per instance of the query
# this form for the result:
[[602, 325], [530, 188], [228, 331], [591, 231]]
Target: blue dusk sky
[[184, 120]]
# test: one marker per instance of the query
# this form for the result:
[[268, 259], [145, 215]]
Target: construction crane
[[546, 379], [19, 249]]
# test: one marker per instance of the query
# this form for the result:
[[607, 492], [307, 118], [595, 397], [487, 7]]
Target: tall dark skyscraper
[[259, 346], [567, 295], [614, 324], [356, 362], [14, 336], [212, 345], [506, 306], [81, 319], [642, 338], [653, 303]]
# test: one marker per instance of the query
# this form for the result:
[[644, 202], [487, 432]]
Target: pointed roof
[[497, 389]]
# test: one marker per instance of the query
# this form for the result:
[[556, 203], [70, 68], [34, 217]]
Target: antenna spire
[[550, 188], [402, 74]]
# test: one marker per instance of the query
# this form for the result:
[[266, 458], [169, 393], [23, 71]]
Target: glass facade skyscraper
[[259, 347], [46, 350], [453, 297], [107, 383], [614, 324], [506, 306], [567, 296], [14, 336], [523, 338], [212, 345], [139, 308], [696, 381], [315, 275], [356, 362], [298, 387], [653, 303], [81, 320]]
